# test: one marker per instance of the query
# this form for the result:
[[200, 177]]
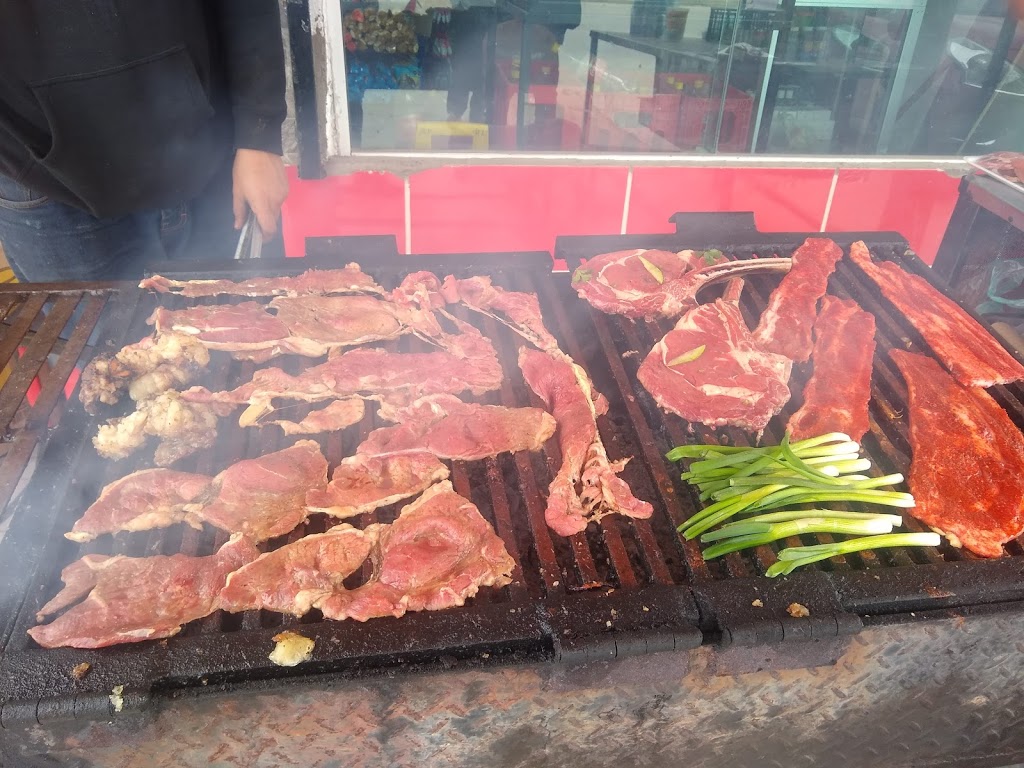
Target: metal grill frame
[[647, 592]]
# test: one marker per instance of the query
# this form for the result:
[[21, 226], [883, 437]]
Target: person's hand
[[259, 182]]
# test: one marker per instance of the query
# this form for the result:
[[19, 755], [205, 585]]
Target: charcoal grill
[[622, 589]]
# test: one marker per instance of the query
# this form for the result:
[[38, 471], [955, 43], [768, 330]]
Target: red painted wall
[[498, 208]]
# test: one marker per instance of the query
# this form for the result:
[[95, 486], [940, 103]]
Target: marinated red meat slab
[[786, 323], [264, 497], [960, 342], [363, 483], [294, 578], [651, 283], [313, 282], [710, 370], [436, 555], [837, 394], [967, 472], [586, 486], [151, 498], [131, 599], [333, 417]]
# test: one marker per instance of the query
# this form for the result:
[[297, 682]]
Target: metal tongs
[[250, 240]]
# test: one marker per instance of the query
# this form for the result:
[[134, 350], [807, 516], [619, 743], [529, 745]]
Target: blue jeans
[[48, 241]]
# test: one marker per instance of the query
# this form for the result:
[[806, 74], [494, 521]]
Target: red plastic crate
[[698, 116], [660, 113], [543, 88]]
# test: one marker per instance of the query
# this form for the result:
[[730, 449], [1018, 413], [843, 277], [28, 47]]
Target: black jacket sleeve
[[254, 59]]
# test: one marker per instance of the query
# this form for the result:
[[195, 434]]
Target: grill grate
[[624, 586]]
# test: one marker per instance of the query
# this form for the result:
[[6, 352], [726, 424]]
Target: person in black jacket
[[135, 131]]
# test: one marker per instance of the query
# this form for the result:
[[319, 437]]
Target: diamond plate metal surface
[[937, 692]]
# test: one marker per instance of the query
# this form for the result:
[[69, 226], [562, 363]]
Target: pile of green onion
[[820, 470]]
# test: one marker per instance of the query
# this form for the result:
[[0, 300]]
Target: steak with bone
[[313, 282], [709, 369], [652, 283], [960, 342], [299, 575], [967, 471], [400, 461], [130, 599], [786, 323], [587, 485], [436, 555], [836, 396]]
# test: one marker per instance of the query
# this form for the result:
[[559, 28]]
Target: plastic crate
[[755, 26], [698, 114], [660, 113]]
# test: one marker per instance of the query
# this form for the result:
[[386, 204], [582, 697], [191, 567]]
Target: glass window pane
[[841, 77]]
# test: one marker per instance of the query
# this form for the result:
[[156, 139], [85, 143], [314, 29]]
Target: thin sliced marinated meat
[[334, 417], [311, 326], [967, 472], [131, 599], [709, 369], [265, 497], [469, 362], [960, 342], [316, 325], [837, 394], [247, 329], [436, 555], [586, 486], [394, 463], [786, 323], [145, 369], [451, 429], [313, 282], [299, 575], [519, 311], [363, 483], [141, 501]]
